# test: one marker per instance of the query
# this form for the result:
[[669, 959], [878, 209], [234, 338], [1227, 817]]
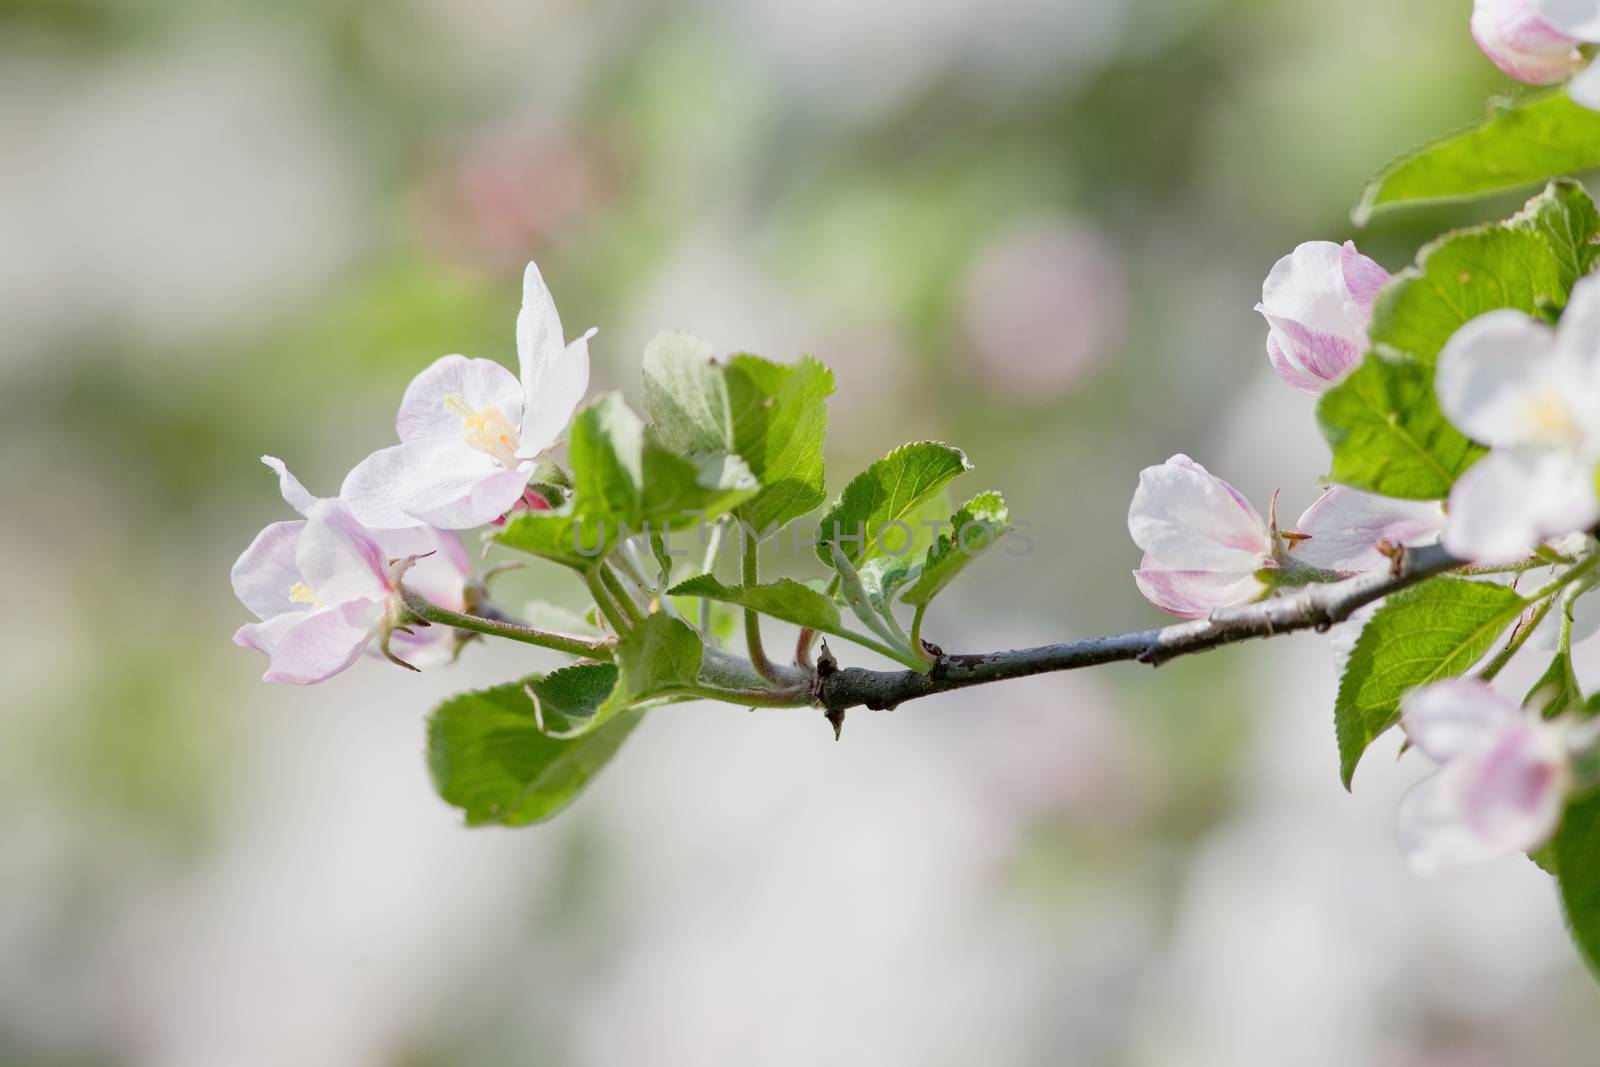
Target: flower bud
[[1318, 303], [1517, 39]]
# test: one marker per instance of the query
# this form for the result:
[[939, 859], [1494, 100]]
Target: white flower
[[1532, 394], [1517, 37], [470, 432], [1347, 530], [1503, 780], [1318, 304], [1203, 543]]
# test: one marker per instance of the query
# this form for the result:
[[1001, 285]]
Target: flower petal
[[1317, 355], [1363, 278], [1451, 718], [381, 488], [323, 643], [1487, 372], [1187, 519], [1577, 18], [1290, 370], [295, 495], [426, 409], [1509, 501], [1522, 43], [1433, 829], [1585, 88], [1195, 594], [340, 559], [264, 636], [266, 572], [553, 395], [1516, 790], [1346, 526], [1308, 287]]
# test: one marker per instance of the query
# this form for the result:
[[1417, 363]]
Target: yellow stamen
[[1550, 417], [300, 593], [487, 429]]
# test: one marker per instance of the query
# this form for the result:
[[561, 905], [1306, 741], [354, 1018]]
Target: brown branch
[[1315, 607]]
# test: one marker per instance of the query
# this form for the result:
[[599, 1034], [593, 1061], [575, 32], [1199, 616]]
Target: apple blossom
[[270, 579], [1503, 780], [1318, 301], [470, 430], [1532, 394], [1516, 36], [1203, 543]]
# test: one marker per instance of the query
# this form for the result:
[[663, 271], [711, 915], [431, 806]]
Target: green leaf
[[625, 484], [883, 496], [1555, 692], [685, 395], [489, 757], [1388, 435], [657, 658], [569, 698], [1516, 144], [780, 417], [1577, 863], [788, 601], [1529, 262], [785, 599], [973, 530], [1435, 630], [884, 576]]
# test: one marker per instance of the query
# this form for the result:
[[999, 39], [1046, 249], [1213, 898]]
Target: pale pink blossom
[[1503, 779], [1318, 301], [471, 431], [1203, 543], [1532, 394], [323, 587], [1516, 36], [1348, 531]]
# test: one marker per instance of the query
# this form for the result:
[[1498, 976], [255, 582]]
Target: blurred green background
[[1033, 228]]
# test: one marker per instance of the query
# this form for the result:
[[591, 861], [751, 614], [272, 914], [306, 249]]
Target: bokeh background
[[1034, 228]]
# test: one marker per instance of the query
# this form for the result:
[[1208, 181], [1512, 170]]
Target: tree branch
[[1316, 607]]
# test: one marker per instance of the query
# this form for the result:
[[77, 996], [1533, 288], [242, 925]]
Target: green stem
[[1494, 666], [619, 592], [750, 575], [428, 611], [802, 648], [916, 630], [602, 600]]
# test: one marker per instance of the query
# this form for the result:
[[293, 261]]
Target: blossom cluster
[[1527, 391], [326, 588]]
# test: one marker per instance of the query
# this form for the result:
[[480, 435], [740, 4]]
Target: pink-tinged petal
[[1195, 594], [1291, 371], [295, 495], [266, 573], [1522, 43], [1487, 372], [1318, 354], [1187, 519], [440, 574], [1516, 790], [1308, 287], [432, 403], [382, 487], [264, 636], [1345, 527], [1509, 501], [553, 395], [1585, 88], [1450, 719], [339, 557], [323, 643], [1577, 18], [465, 504], [1363, 277]]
